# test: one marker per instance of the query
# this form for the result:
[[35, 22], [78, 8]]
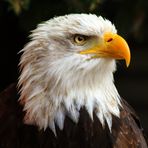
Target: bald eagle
[[66, 97]]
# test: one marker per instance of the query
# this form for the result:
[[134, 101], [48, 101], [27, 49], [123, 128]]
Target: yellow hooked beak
[[110, 46]]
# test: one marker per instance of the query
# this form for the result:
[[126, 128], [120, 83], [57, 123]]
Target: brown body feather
[[126, 132]]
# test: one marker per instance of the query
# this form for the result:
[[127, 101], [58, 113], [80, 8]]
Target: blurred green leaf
[[94, 4], [18, 5]]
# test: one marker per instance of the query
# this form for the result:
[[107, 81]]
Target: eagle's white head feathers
[[57, 80]]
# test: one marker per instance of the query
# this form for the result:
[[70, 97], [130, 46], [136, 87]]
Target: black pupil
[[80, 38]]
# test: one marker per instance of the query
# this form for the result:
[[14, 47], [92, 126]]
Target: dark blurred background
[[19, 17]]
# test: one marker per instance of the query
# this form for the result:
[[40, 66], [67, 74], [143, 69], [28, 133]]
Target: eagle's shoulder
[[8, 102], [10, 116], [127, 130], [13, 132]]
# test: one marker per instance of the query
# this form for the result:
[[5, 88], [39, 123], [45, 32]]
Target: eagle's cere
[[68, 65]]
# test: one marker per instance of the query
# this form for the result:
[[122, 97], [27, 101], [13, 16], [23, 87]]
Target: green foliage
[[130, 17], [18, 5]]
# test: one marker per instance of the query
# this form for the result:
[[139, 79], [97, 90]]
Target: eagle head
[[67, 65]]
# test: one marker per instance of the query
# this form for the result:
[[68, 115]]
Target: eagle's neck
[[52, 94]]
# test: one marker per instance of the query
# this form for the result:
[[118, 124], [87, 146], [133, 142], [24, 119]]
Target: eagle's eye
[[80, 39]]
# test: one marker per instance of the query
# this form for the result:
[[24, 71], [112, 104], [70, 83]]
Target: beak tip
[[127, 55], [127, 62]]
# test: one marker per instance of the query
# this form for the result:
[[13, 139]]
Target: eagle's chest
[[86, 133]]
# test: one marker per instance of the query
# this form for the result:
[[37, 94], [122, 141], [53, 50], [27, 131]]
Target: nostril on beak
[[110, 39]]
